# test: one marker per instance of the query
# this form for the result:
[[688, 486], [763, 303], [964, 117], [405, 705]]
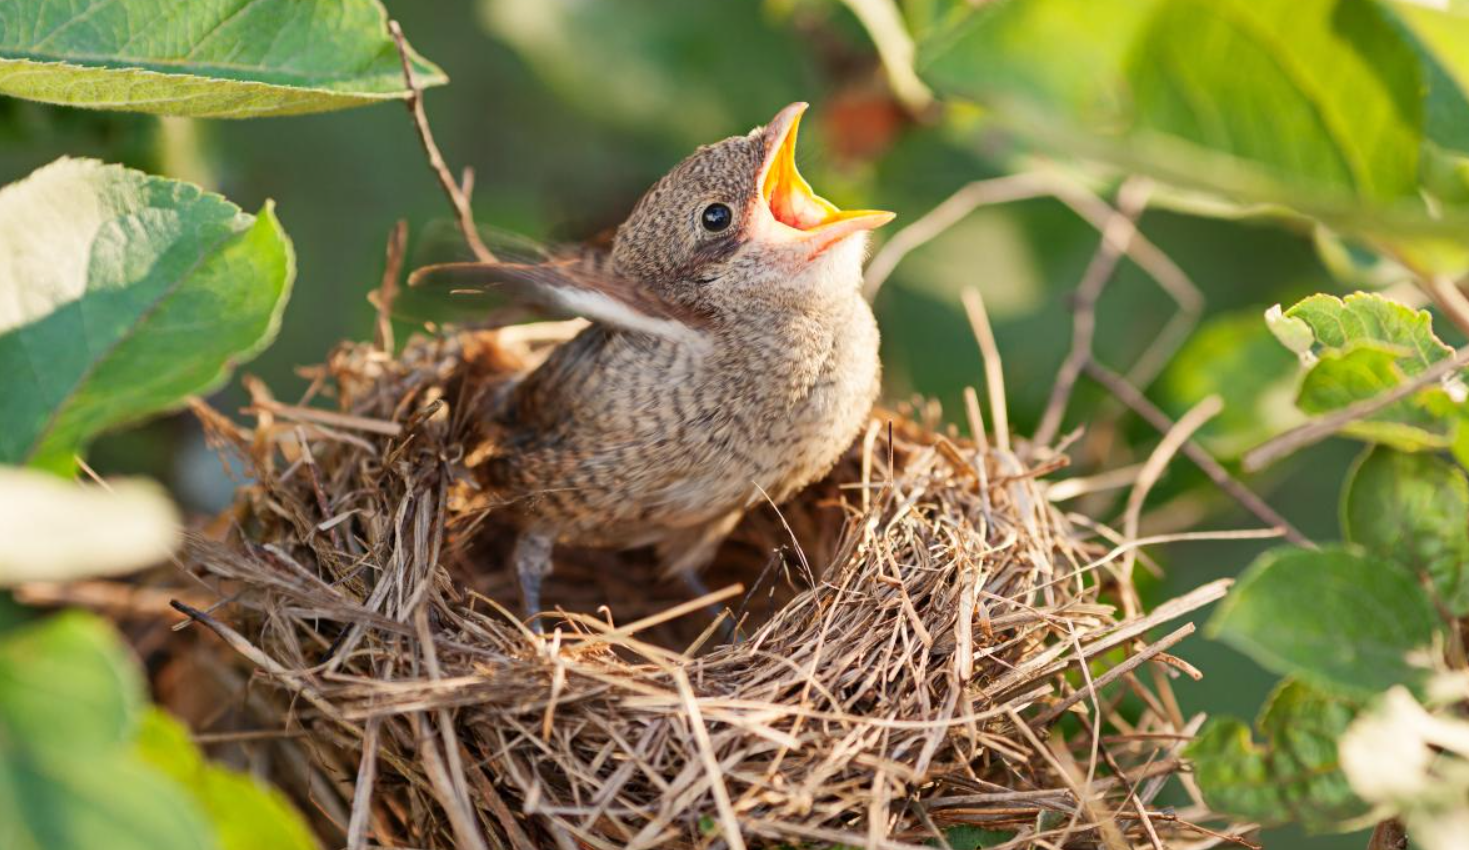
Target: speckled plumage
[[627, 438]]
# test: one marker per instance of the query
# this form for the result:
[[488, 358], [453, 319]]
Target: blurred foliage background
[[568, 109]]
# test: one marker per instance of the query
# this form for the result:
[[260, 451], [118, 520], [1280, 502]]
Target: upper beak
[[789, 197]]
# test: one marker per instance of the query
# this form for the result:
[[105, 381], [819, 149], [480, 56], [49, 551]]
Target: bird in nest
[[730, 359]]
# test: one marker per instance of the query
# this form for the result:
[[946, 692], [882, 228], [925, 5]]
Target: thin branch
[[1117, 233], [457, 196], [383, 297], [1322, 427], [1133, 398], [1153, 469], [949, 212], [994, 371]]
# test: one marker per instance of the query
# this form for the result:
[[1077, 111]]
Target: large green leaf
[[203, 58], [245, 813], [70, 702], [1441, 36], [1332, 617], [126, 293], [1412, 509], [1311, 105], [1294, 775]]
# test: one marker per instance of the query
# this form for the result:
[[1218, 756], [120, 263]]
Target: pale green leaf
[[1334, 618], [129, 293], [1412, 509], [1311, 105], [245, 814], [130, 524], [203, 58], [1367, 317], [1293, 775]]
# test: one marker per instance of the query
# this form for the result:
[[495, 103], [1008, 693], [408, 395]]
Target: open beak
[[789, 197]]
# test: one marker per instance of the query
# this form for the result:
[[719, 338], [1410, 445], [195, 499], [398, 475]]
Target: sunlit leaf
[[203, 58], [246, 814], [128, 292], [1333, 618], [1363, 345], [70, 701], [93, 800], [1293, 774], [129, 524], [1314, 106]]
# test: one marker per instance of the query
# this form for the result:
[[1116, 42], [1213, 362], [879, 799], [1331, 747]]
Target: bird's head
[[736, 221]]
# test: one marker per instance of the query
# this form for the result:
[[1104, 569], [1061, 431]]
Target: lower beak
[[789, 198]]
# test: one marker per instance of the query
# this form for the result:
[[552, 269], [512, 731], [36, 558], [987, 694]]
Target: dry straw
[[919, 664]]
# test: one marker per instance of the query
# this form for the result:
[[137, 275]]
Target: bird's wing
[[577, 286]]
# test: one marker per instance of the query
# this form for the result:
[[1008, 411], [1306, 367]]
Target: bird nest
[[918, 643]]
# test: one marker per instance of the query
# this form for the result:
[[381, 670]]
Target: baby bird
[[731, 359]]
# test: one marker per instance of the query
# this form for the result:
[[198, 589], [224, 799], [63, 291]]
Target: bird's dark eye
[[716, 217]]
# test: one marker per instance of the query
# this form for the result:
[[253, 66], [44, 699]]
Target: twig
[[383, 297], [994, 372], [950, 211], [895, 48], [1322, 427], [457, 196], [1117, 232], [1447, 295], [1153, 469], [1139, 403]]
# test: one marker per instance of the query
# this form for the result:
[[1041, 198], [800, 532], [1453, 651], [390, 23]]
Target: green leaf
[[1332, 617], [246, 814], [88, 801], [1366, 345], [1235, 357], [1340, 323], [1423, 421], [1412, 509], [1441, 39], [70, 701], [131, 292], [67, 685], [1294, 775], [1312, 105], [204, 58]]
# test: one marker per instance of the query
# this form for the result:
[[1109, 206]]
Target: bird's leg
[[532, 558], [687, 553]]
